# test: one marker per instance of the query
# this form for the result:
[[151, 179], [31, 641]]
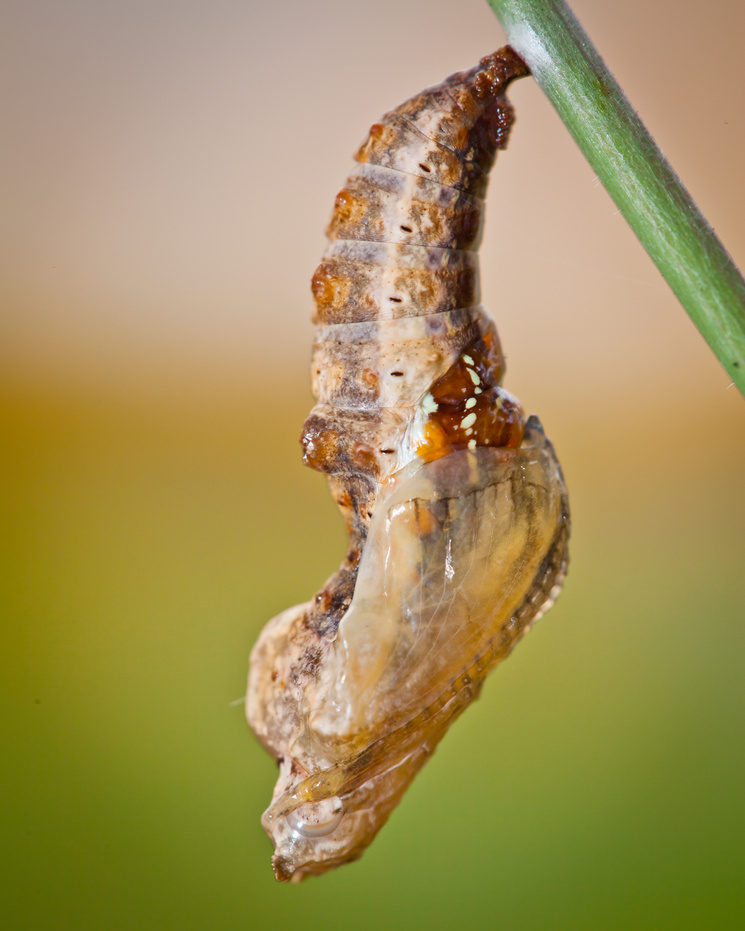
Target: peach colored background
[[170, 167]]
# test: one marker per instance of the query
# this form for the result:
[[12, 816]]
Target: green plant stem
[[647, 191]]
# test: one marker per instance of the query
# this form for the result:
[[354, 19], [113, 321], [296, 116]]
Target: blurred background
[[169, 169]]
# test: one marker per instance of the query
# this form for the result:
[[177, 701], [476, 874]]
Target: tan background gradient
[[168, 170]]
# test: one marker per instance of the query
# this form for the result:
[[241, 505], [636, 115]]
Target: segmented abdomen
[[406, 362]]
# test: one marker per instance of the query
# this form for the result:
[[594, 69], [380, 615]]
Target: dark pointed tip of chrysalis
[[515, 65], [496, 71], [486, 84]]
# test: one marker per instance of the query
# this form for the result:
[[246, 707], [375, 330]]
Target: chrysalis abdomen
[[455, 506]]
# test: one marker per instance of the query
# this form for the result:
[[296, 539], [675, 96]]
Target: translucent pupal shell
[[450, 559], [463, 554]]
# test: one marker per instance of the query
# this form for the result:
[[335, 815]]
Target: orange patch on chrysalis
[[498, 420], [329, 290], [348, 208], [380, 134], [468, 408]]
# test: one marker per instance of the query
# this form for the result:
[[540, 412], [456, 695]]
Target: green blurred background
[[171, 168]]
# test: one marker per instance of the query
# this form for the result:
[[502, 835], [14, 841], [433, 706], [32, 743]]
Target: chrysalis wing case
[[455, 504]]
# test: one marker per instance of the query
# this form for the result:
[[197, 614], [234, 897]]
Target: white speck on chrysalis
[[468, 360], [429, 405], [468, 420], [471, 402], [474, 377]]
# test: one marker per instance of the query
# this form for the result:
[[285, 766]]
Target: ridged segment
[[392, 359], [384, 205], [359, 281]]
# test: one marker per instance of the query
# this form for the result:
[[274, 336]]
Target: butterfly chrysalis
[[454, 503]]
